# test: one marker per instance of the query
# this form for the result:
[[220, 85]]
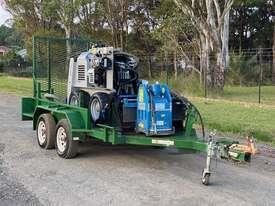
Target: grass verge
[[238, 118], [247, 94], [189, 85], [14, 85]]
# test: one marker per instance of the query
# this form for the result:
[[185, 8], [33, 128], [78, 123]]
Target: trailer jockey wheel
[[99, 105], [45, 129], [74, 99], [205, 178]]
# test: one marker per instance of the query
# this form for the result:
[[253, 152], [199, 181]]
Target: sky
[[4, 15]]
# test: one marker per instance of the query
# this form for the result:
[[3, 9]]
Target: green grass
[[236, 118], [14, 85], [190, 86], [187, 85], [222, 115], [247, 94]]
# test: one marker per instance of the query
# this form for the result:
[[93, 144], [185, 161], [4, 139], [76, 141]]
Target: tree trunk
[[204, 61], [222, 56], [68, 35], [211, 25], [68, 45], [241, 29], [225, 39], [219, 72], [122, 34], [126, 32]]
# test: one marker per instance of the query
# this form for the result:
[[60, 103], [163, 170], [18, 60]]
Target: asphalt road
[[119, 175]]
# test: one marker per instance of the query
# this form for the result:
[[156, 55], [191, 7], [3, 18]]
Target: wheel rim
[[41, 132], [74, 101], [95, 109], [61, 139]]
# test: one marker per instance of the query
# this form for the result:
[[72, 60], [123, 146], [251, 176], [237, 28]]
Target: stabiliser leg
[[206, 172]]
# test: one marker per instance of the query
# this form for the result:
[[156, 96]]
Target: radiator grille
[[81, 72], [91, 78]]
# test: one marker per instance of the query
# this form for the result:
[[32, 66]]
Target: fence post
[[260, 74], [34, 41], [166, 67], [49, 64], [205, 73]]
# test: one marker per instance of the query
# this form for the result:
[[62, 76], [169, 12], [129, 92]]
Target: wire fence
[[249, 77], [23, 69]]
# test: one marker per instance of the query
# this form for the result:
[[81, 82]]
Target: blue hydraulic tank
[[154, 109]]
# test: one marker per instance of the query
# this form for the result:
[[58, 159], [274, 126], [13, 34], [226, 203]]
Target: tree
[[29, 16], [11, 59], [251, 24], [92, 21], [64, 10], [15, 39], [143, 24], [30, 19], [177, 35], [211, 18], [5, 32], [116, 13]]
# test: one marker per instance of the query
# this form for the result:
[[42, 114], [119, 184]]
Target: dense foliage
[[188, 31], [10, 37]]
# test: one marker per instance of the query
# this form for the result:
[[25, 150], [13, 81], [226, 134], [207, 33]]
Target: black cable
[[188, 104], [153, 118]]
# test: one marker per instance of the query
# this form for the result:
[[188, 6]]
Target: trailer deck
[[81, 127]]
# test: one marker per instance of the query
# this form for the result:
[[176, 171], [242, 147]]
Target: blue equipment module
[[154, 109]]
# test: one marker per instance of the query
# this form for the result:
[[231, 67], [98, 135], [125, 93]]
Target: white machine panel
[[82, 73]]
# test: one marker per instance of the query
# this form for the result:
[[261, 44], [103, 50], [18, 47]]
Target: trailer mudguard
[[27, 108]]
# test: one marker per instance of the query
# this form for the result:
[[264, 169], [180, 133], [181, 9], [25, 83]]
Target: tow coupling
[[229, 150]]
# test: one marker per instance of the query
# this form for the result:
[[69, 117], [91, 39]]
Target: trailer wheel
[[45, 131], [98, 107], [74, 99], [66, 147]]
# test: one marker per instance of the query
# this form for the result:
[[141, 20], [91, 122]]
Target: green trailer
[[62, 126]]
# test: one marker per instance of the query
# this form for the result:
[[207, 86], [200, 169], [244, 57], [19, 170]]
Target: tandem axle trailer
[[62, 126]]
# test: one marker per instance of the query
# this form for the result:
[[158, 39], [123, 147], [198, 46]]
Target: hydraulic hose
[[189, 104]]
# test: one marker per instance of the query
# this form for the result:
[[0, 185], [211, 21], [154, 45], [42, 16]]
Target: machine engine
[[92, 69], [104, 67], [108, 80]]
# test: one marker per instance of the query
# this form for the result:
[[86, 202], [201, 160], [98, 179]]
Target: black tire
[[74, 99], [178, 124], [71, 146], [100, 114], [45, 129], [158, 147], [205, 179]]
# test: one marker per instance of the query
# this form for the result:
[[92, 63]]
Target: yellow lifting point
[[248, 148]]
